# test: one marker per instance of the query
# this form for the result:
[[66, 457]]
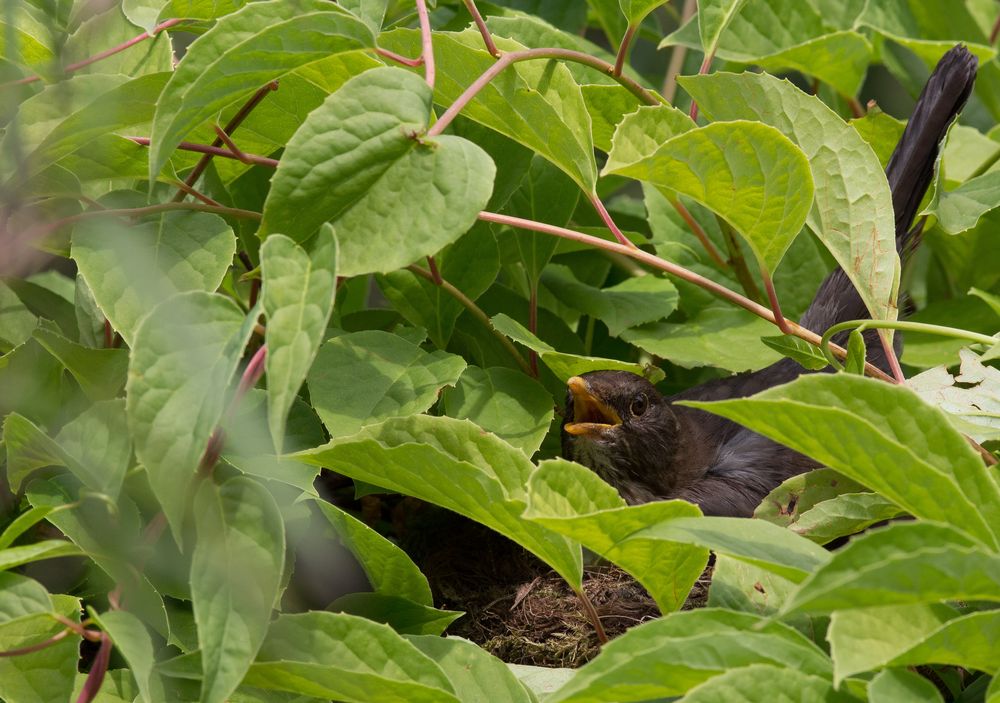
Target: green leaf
[[881, 130], [856, 354], [454, 464], [362, 378], [670, 656], [340, 656], [920, 562], [372, 12], [852, 213], [236, 572], [16, 321], [389, 570], [846, 514], [645, 130], [902, 686], [20, 596], [131, 269], [969, 397], [241, 53], [184, 355], [563, 365], [507, 403], [572, 500], [401, 614], [37, 551], [807, 355], [713, 18], [100, 372], [136, 647], [747, 172], [960, 209], [22, 523], [114, 27], [607, 105], [471, 264], [298, 293], [965, 641], [473, 672], [882, 436], [632, 302], [342, 166], [636, 10], [761, 681], [95, 446], [535, 103], [48, 674], [726, 337], [865, 639]]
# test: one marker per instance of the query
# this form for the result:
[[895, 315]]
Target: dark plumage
[[619, 425]]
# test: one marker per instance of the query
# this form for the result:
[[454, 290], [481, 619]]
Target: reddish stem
[[230, 127], [609, 222], [772, 297], [108, 334], [212, 151], [426, 44], [221, 134], [890, 355], [623, 49], [92, 686], [71, 68], [433, 268], [699, 232], [674, 270], [491, 47], [398, 58], [995, 31], [44, 644], [196, 194], [856, 110], [705, 65]]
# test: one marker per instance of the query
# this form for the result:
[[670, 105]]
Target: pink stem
[[398, 58], [623, 49], [705, 65], [491, 47], [215, 151], [433, 268], [772, 297], [610, 223], [44, 644], [699, 232], [890, 355], [426, 44], [92, 686]]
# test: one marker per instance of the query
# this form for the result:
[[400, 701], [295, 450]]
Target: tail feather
[[909, 173]]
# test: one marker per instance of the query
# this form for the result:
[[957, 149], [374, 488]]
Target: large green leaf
[[361, 149], [347, 658], [852, 213], [765, 682], [905, 563], [243, 51], [565, 365], [95, 446], [100, 372], [961, 208], [184, 354], [403, 615], [670, 656], [726, 337], [536, 103], [362, 378], [632, 302], [747, 172], [714, 17], [48, 674], [882, 436], [506, 402], [130, 269], [642, 132], [113, 27], [298, 292], [236, 572], [572, 500], [454, 464], [13, 557], [17, 322], [136, 647], [389, 570], [903, 686], [475, 674]]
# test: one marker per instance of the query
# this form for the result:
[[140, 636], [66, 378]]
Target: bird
[[649, 448]]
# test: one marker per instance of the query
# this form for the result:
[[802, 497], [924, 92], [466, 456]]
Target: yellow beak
[[591, 415]]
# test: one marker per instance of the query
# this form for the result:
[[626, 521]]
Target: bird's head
[[619, 425]]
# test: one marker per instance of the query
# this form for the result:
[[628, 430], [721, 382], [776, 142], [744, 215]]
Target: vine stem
[[399, 58], [491, 46], [772, 298], [44, 644], [737, 262], [699, 232], [609, 221], [210, 151], [513, 57], [905, 325], [426, 43], [623, 49], [92, 685], [76, 66], [591, 612], [705, 65], [230, 127], [476, 311], [674, 270]]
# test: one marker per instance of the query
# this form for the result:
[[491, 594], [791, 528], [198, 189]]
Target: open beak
[[591, 415]]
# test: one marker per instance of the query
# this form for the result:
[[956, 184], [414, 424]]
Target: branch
[[213, 151], [772, 297], [73, 67], [609, 222], [623, 49], [491, 47], [426, 43], [506, 60], [476, 311], [673, 269]]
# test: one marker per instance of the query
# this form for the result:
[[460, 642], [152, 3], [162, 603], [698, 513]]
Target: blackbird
[[639, 441]]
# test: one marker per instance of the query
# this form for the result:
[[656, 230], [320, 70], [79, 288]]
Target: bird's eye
[[638, 405]]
